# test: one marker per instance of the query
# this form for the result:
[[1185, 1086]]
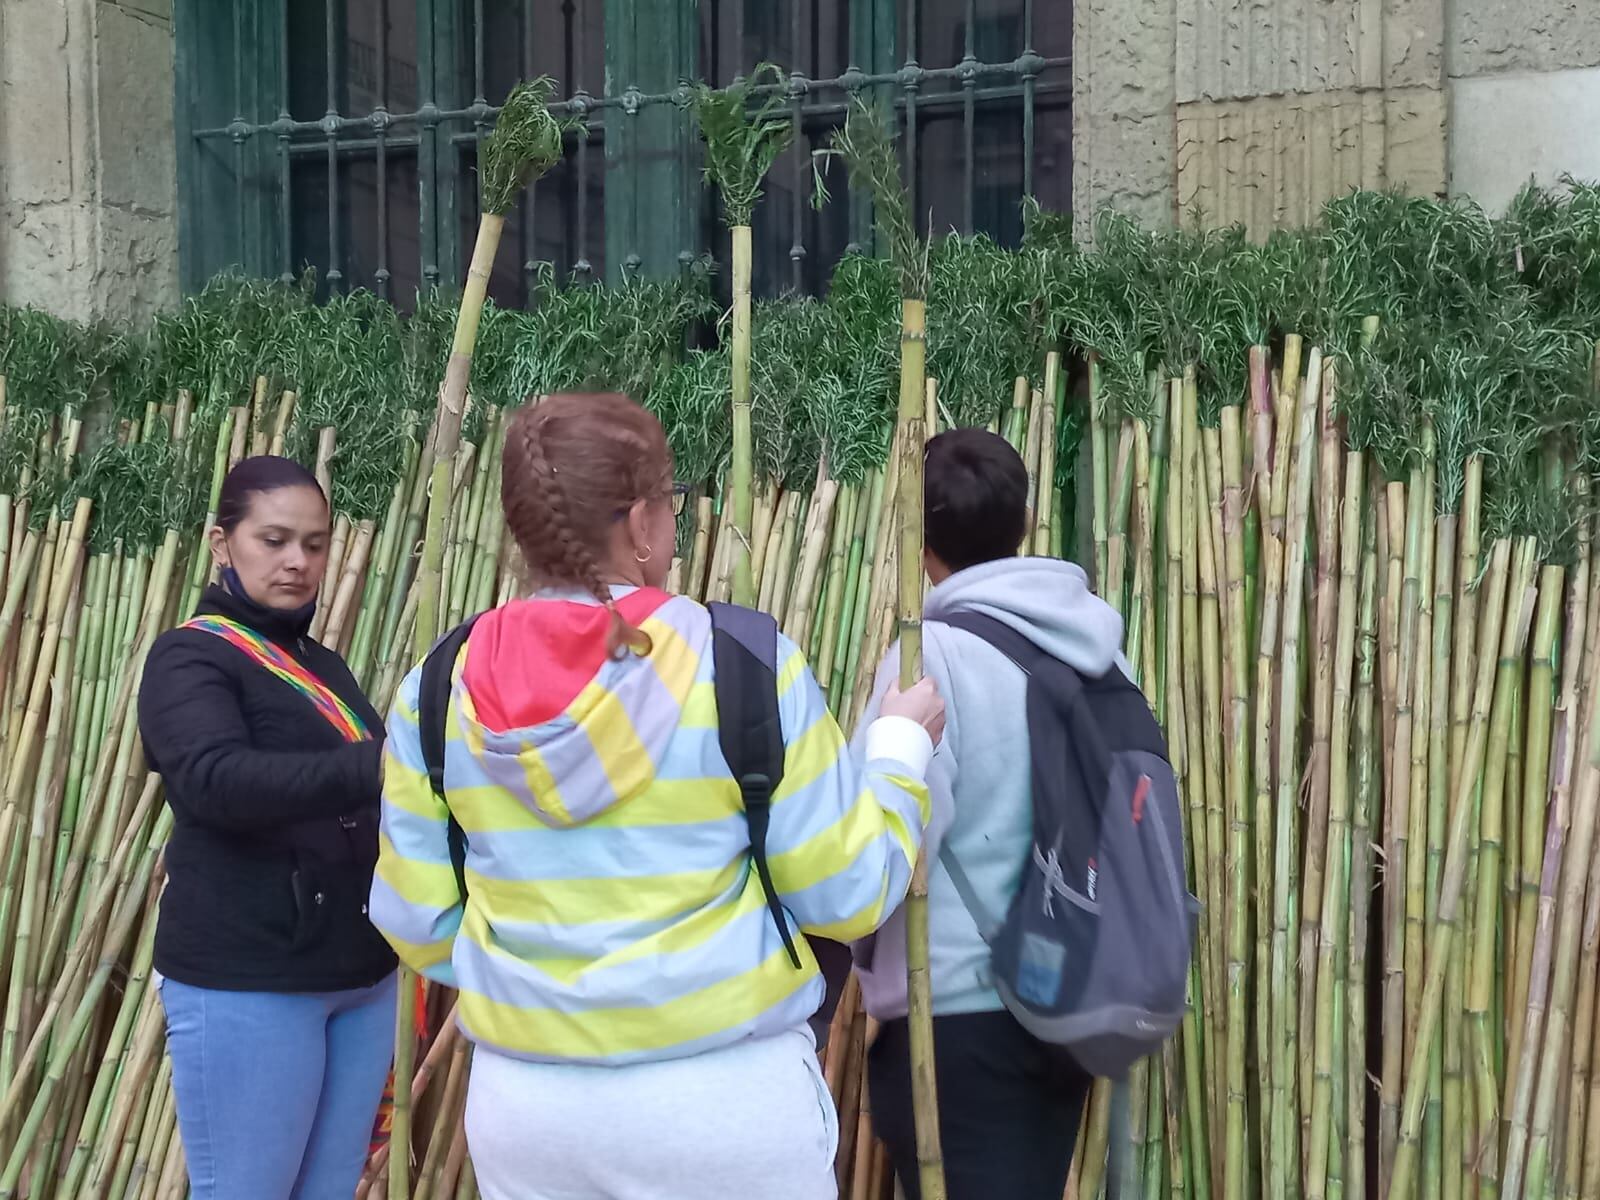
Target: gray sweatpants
[[753, 1120]]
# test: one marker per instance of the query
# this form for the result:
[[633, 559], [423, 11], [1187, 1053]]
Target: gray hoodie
[[979, 778]]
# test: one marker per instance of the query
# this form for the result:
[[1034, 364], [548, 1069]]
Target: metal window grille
[[378, 189]]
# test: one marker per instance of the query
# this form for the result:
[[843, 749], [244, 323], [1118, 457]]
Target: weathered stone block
[[1122, 57], [1493, 36], [1506, 129], [1125, 163], [138, 168], [88, 185], [36, 93], [1274, 160]]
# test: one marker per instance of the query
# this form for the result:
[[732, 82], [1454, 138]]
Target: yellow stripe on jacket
[[612, 914]]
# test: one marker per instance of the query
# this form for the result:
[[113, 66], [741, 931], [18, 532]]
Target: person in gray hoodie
[[1008, 1107]]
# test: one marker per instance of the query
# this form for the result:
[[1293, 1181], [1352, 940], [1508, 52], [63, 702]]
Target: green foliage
[[867, 147], [350, 373], [45, 360], [1486, 335], [691, 402], [524, 144], [741, 144], [986, 326], [140, 490]]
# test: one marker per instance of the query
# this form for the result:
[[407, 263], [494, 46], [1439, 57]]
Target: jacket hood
[[1044, 599], [551, 718]]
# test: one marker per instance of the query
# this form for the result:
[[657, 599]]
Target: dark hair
[[974, 498], [263, 473], [572, 461]]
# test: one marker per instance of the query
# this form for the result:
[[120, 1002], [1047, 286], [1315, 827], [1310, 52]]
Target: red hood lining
[[528, 660]]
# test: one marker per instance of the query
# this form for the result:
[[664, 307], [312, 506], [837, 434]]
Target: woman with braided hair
[[640, 1028]]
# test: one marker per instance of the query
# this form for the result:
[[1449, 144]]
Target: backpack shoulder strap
[[433, 708], [1003, 638], [744, 648], [1059, 685], [1032, 662]]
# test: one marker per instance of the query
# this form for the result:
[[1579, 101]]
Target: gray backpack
[[1093, 955]]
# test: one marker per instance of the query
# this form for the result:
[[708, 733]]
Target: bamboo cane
[[1286, 1137], [1333, 916], [1452, 883], [1513, 639], [525, 143], [1044, 511], [913, 342]]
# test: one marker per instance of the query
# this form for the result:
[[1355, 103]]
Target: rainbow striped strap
[[264, 654]]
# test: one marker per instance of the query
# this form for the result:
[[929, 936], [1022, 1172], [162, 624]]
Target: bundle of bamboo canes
[[1338, 486]]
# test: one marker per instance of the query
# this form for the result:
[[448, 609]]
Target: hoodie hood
[[552, 719], [1044, 599]]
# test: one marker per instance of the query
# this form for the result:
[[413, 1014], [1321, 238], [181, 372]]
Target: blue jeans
[[277, 1093]]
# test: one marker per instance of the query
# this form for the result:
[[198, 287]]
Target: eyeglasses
[[678, 493]]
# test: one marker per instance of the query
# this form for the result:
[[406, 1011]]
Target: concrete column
[[88, 187], [1124, 128]]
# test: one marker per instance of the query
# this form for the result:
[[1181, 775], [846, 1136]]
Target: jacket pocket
[[310, 903], [829, 1114]]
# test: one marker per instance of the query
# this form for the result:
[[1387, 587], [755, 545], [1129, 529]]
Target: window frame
[[236, 139]]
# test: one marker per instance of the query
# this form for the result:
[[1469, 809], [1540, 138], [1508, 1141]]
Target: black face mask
[[235, 585]]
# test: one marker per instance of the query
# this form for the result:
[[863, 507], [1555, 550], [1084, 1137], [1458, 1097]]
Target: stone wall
[[1282, 107], [1124, 117], [88, 187], [1256, 111], [1524, 94]]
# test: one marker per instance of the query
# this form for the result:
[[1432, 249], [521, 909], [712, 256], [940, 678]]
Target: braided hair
[[572, 463]]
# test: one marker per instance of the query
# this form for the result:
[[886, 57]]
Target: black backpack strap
[[744, 648], [433, 708], [1055, 690]]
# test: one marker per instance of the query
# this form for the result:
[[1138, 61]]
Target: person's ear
[[639, 530], [219, 547]]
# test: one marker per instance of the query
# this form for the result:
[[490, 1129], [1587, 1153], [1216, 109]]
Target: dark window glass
[[394, 206]]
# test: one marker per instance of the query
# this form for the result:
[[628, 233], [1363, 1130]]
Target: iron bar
[[1030, 93], [582, 104], [530, 248], [382, 276], [479, 101], [334, 275], [1026, 66], [969, 121], [285, 179], [911, 77], [427, 119], [238, 123], [926, 106], [797, 240]]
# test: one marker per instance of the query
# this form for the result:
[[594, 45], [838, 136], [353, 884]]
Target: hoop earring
[[645, 559]]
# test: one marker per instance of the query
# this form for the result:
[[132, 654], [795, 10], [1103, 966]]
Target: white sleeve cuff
[[902, 740]]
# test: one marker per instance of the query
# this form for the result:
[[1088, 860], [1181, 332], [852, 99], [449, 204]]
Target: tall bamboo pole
[[740, 148], [919, 983], [525, 143], [1333, 916], [868, 149]]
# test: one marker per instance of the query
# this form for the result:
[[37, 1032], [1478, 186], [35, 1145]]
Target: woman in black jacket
[[279, 995]]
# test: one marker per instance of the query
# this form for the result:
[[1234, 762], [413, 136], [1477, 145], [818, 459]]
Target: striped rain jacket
[[613, 915]]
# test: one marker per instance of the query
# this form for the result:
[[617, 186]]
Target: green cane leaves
[[524, 144], [867, 147], [743, 140]]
